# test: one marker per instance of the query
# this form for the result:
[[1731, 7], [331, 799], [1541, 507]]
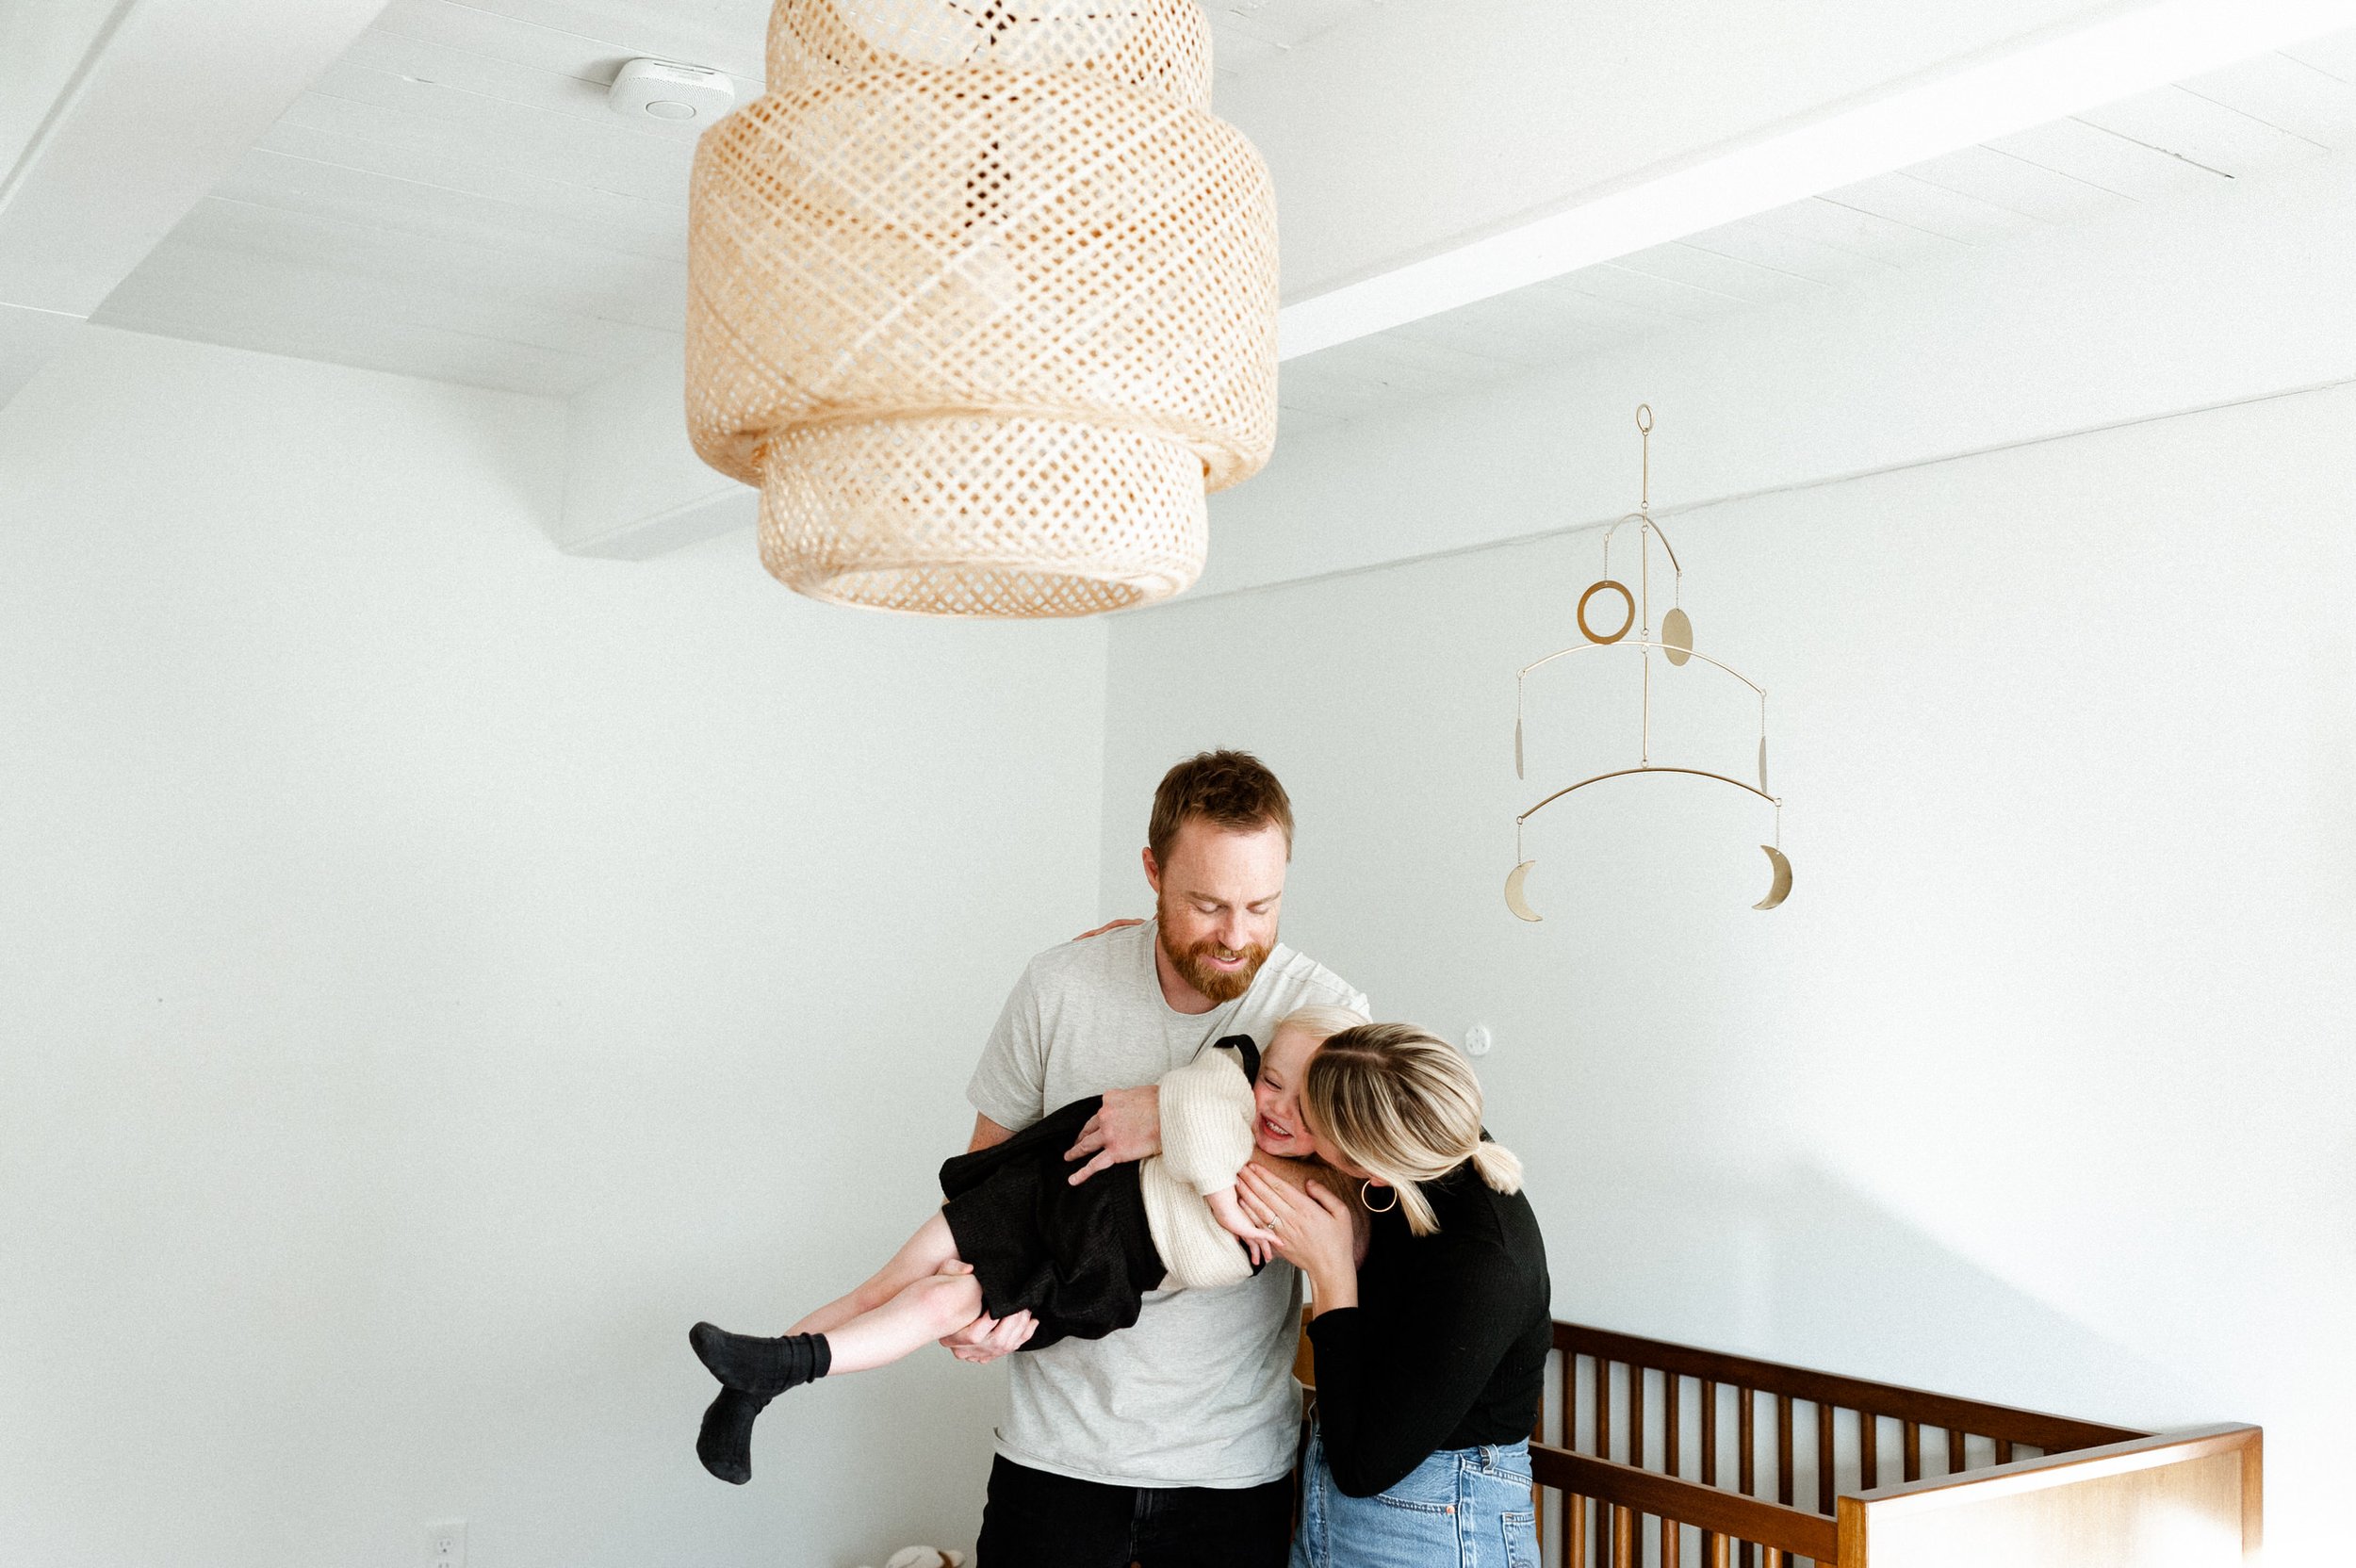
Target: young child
[[1016, 1235]]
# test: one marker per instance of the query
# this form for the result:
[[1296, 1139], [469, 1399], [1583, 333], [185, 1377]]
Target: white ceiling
[[452, 199], [2272, 111]]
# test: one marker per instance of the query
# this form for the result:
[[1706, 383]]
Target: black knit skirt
[[1078, 1259]]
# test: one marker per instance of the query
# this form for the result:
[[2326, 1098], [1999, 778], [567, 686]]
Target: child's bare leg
[[919, 1258], [923, 1312], [923, 1293]]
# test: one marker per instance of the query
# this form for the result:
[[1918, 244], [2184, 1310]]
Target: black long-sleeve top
[[1446, 1347]]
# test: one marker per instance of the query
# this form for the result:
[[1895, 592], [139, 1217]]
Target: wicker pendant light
[[982, 298]]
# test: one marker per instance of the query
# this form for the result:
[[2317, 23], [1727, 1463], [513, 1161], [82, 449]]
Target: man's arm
[[986, 1135], [1127, 1127], [986, 1339], [1008, 1077]]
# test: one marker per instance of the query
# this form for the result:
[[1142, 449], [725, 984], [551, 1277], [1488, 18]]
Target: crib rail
[[1652, 1454], [1615, 1499], [2187, 1499], [1660, 1454]]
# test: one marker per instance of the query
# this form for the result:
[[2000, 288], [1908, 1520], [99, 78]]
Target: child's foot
[[763, 1366], [726, 1443]]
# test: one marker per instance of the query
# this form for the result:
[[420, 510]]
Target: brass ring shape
[[1365, 1187], [1626, 597]]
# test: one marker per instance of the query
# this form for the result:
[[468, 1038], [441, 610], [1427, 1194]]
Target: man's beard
[[1195, 968]]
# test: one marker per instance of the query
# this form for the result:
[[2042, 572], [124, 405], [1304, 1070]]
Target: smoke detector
[[671, 94]]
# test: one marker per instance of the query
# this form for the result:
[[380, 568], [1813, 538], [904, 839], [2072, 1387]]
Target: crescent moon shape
[[1677, 636], [1780, 889], [1514, 899]]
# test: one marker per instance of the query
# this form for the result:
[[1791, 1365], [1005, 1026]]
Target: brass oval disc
[[1676, 637], [1762, 765], [1626, 597], [1517, 746], [1514, 898], [1780, 889]]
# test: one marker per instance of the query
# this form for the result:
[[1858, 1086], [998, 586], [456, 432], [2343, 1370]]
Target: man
[[1168, 1444]]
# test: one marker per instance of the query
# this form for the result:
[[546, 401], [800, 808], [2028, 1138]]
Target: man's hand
[[1108, 925], [986, 1338], [1258, 1243], [1128, 1126]]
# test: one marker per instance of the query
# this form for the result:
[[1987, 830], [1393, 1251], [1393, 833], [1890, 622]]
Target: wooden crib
[[1654, 1455]]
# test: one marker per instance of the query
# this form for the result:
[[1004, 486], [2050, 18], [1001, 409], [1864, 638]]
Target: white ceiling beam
[[634, 487], [2052, 75], [164, 97]]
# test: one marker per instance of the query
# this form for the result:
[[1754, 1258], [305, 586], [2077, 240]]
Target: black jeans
[[1036, 1520]]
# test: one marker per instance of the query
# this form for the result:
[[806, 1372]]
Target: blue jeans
[[1462, 1507]]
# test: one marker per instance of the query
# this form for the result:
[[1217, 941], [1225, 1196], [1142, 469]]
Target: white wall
[[2039, 1087], [434, 971]]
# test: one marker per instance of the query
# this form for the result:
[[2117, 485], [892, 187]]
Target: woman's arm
[[1392, 1385], [1297, 1174], [1315, 1230], [1395, 1380]]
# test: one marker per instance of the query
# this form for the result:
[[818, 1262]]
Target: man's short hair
[[1229, 789]]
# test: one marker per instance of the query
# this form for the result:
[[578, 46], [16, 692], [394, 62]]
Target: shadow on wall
[[1810, 1271]]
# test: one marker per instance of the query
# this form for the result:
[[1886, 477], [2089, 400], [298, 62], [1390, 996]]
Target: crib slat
[[1720, 1550], [1636, 1416], [1746, 1463], [2003, 1450], [1914, 1450], [1671, 1441], [1570, 1400], [1709, 1435], [1672, 1542], [1869, 1443], [1783, 1449], [1824, 1418], [1771, 1557], [1574, 1531], [1603, 1408], [1955, 1451], [1603, 1450], [1624, 1538]]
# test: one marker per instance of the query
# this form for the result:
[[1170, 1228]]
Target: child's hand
[[1259, 1243]]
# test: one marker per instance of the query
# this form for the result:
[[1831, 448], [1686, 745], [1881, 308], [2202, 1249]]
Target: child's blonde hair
[[1320, 1022], [1402, 1103]]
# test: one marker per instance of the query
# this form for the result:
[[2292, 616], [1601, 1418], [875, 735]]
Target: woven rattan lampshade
[[983, 298]]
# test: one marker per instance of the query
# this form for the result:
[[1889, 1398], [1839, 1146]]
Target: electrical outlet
[[446, 1544]]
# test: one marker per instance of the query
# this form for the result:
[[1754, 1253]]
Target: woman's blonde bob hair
[[1402, 1103]]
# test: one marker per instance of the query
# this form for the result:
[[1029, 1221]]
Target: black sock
[[726, 1443], [755, 1366]]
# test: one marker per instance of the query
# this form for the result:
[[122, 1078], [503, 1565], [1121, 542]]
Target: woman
[[1429, 1354]]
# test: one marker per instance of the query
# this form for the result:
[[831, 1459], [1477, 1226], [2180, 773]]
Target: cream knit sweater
[[1207, 1114]]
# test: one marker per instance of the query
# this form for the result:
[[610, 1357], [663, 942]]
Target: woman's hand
[[1128, 1126], [1314, 1233], [1259, 1244]]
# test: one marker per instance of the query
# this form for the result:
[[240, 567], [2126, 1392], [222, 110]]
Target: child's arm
[[1207, 1123], [1228, 1211], [1206, 1136]]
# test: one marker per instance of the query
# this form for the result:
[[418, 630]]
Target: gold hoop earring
[[1368, 1186]]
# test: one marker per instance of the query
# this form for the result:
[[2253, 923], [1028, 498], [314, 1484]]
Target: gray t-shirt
[[1200, 1391]]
